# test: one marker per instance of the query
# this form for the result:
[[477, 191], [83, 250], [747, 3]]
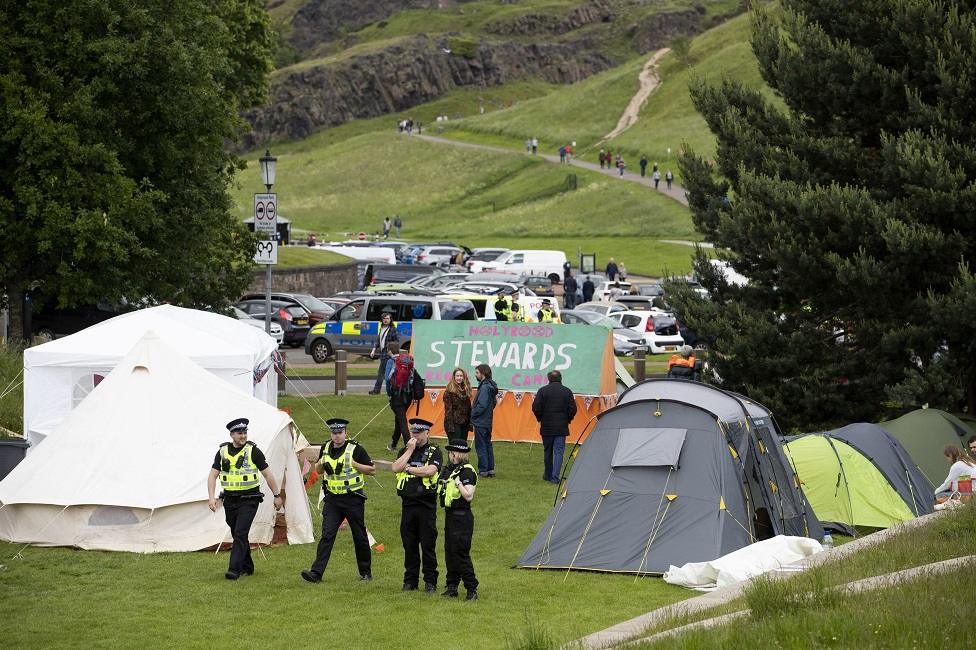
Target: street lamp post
[[269, 165]]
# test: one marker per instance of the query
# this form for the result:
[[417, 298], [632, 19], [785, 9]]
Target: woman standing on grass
[[457, 405], [961, 465]]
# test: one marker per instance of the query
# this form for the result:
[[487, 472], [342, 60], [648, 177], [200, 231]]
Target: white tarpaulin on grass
[[743, 564], [58, 375], [127, 469]]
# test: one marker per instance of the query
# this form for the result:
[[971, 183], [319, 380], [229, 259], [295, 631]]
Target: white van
[[531, 262]]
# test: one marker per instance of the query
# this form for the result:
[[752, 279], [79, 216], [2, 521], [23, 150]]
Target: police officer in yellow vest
[[345, 466], [502, 306], [456, 491], [417, 468], [513, 301], [546, 314], [238, 463]]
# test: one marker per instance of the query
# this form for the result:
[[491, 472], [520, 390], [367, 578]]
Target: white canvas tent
[[59, 374], [127, 469]]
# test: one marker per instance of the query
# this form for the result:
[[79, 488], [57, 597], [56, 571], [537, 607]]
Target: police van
[[356, 326]]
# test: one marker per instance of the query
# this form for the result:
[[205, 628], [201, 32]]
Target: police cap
[[240, 424]]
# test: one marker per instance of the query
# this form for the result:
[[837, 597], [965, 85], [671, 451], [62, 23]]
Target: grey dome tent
[[677, 472], [859, 475]]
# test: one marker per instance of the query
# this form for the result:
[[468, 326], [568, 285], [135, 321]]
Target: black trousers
[[400, 427], [418, 530], [458, 530], [239, 514], [352, 508]]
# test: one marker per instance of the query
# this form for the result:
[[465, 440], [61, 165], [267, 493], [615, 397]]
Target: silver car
[[277, 333], [625, 341]]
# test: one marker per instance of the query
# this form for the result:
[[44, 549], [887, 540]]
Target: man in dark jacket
[[554, 407], [569, 291], [481, 419], [588, 289]]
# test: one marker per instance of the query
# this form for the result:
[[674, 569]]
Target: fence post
[[340, 372], [640, 364], [281, 376]]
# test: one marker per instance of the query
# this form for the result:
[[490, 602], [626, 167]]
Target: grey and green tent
[[859, 475], [677, 472], [924, 434]]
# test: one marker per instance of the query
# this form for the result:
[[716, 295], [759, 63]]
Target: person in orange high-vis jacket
[[682, 365]]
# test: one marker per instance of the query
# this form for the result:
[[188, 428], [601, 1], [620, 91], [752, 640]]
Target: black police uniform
[[240, 508], [458, 531], [350, 506], [418, 521]]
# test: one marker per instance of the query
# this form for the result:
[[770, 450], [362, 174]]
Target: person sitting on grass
[[960, 466]]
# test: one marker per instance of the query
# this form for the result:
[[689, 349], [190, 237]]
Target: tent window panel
[[648, 447]]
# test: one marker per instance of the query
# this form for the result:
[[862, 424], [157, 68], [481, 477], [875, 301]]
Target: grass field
[[68, 598], [805, 611], [293, 256]]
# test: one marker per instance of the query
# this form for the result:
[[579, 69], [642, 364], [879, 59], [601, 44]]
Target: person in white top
[[961, 465]]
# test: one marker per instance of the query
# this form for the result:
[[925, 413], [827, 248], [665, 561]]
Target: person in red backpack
[[399, 376]]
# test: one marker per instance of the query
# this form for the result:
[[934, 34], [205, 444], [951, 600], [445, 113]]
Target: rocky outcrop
[[405, 75], [656, 31], [531, 24], [323, 21]]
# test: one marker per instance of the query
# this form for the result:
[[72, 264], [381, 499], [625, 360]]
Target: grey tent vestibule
[[677, 472]]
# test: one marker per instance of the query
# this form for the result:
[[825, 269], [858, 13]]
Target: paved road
[[676, 192]]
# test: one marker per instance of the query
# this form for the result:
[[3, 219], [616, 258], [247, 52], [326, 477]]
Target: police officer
[[237, 463], [456, 490], [417, 468], [514, 306], [546, 314], [502, 306], [345, 465]]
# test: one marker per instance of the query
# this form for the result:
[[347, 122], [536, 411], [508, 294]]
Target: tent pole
[[847, 485], [654, 527], [588, 524]]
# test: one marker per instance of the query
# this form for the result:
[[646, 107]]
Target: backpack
[[417, 386]]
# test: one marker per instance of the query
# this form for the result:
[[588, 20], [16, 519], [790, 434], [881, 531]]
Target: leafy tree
[[849, 207], [113, 159]]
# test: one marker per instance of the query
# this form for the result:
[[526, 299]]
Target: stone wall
[[316, 280]]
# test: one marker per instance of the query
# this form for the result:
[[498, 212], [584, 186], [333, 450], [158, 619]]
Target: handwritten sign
[[519, 354]]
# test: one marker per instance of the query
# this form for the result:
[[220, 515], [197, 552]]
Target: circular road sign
[[362, 236]]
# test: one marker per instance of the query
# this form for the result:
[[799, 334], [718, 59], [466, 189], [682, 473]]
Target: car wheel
[[554, 278], [44, 335], [320, 351]]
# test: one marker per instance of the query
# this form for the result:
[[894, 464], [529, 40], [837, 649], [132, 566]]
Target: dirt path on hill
[[649, 79]]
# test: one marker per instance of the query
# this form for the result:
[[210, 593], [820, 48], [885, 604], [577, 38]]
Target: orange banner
[[513, 419]]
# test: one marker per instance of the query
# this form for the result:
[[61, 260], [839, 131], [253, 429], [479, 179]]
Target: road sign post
[[266, 225]]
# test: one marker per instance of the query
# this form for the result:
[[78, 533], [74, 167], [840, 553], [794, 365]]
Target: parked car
[[540, 285], [625, 340], [638, 303], [603, 308], [318, 310], [486, 287], [609, 291], [481, 255], [383, 273], [49, 322], [484, 305], [660, 330], [335, 302], [436, 255], [292, 318], [534, 262], [355, 327], [442, 281], [277, 333]]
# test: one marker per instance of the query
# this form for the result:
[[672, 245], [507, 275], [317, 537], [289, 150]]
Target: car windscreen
[[457, 310], [312, 303]]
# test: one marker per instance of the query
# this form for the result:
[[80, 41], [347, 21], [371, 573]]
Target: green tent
[[843, 486], [924, 434]]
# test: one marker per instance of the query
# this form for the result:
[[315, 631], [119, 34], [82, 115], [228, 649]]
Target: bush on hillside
[[11, 388]]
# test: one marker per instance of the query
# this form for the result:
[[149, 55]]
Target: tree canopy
[[114, 164], [848, 203]]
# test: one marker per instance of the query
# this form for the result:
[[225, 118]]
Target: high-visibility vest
[[343, 477], [516, 310], [547, 316], [238, 473], [429, 482], [448, 489], [503, 309]]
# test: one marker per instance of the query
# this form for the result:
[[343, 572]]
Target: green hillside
[[587, 111], [344, 180]]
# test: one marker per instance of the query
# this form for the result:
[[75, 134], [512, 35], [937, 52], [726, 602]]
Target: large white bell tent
[[59, 374], [127, 469]]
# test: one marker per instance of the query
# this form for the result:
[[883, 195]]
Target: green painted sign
[[519, 354]]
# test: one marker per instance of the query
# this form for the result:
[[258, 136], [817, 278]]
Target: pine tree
[[849, 206]]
